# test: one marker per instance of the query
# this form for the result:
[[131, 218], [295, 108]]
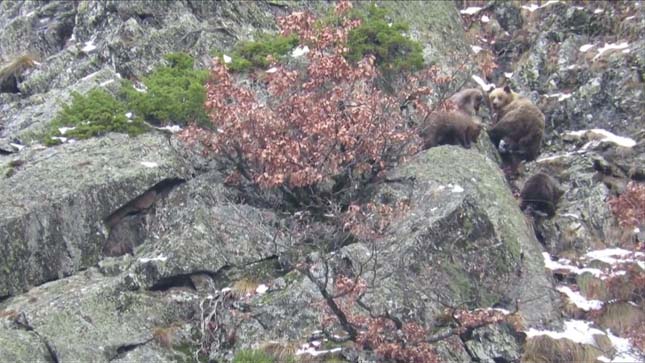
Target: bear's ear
[[507, 89]]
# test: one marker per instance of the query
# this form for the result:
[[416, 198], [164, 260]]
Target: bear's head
[[500, 97]]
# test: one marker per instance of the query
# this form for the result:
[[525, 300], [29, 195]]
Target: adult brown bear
[[520, 124]]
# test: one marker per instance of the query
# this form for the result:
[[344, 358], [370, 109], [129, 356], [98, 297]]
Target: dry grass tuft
[[544, 349]]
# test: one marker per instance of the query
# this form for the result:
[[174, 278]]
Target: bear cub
[[520, 124], [540, 194], [457, 127]]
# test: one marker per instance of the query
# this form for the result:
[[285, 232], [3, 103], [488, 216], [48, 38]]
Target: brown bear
[[520, 124], [540, 193], [456, 127], [468, 100], [450, 128]]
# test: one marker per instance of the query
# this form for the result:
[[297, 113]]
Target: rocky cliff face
[[126, 248]]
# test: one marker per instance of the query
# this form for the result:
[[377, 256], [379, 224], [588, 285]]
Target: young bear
[[457, 127], [450, 128], [541, 193], [468, 100], [520, 123]]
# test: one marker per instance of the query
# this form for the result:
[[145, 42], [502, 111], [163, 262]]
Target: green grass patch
[[252, 54], [386, 41], [175, 93], [93, 114]]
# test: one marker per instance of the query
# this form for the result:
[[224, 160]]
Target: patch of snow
[[485, 19], [64, 130], [476, 48], [508, 74], [103, 84], [485, 86], [149, 164], [161, 258], [630, 17], [89, 46], [91, 75], [457, 189], [602, 135], [20, 147], [580, 301], [561, 96], [574, 216], [598, 11], [556, 265], [636, 230], [62, 139], [626, 51], [471, 10], [261, 289], [172, 128], [586, 47], [272, 70], [611, 46], [306, 349], [30, 13], [624, 350], [128, 114], [140, 87], [226, 289], [578, 331], [531, 7], [389, 25], [299, 51], [614, 256], [227, 59]]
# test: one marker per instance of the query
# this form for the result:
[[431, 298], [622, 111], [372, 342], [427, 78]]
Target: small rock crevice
[[122, 350], [126, 225], [23, 323]]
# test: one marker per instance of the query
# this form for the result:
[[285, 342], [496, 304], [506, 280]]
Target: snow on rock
[[89, 46], [586, 47], [611, 46], [580, 301], [561, 96], [578, 331], [300, 51], [149, 164], [562, 265], [476, 48], [598, 11], [20, 147], [624, 351], [508, 74], [227, 59], [63, 130], [261, 289], [161, 258], [311, 348], [485, 86], [531, 7], [485, 19], [456, 188], [601, 135], [471, 10], [172, 128], [272, 70], [613, 256]]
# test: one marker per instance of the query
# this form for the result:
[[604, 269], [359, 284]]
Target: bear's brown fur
[[468, 100], [520, 125], [540, 193], [456, 127], [450, 128]]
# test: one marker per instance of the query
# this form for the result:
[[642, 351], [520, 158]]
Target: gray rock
[[52, 210], [90, 317], [494, 343]]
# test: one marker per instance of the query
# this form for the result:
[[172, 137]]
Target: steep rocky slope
[[205, 276]]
